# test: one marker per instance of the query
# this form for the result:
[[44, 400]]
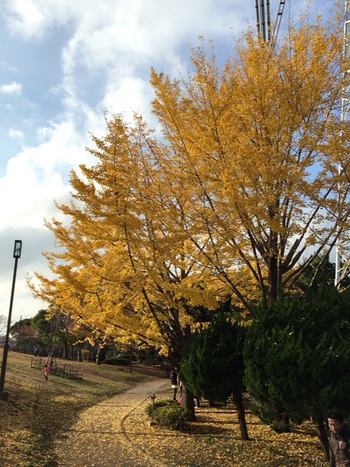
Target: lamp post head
[[17, 249]]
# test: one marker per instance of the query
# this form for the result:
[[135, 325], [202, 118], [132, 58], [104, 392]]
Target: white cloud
[[35, 177], [7, 66], [131, 95], [12, 88], [33, 18], [122, 40], [6, 106], [15, 134], [159, 18]]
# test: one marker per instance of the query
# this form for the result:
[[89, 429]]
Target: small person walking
[[174, 383], [46, 371]]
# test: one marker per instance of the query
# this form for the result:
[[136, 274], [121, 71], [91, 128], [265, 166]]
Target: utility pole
[[342, 250], [267, 32]]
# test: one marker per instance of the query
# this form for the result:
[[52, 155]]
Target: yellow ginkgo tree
[[127, 268], [247, 185], [262, 143]]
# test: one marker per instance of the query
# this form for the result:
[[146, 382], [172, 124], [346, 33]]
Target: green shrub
[[168, 413], [281, 427], [168, 416], [160, 403]]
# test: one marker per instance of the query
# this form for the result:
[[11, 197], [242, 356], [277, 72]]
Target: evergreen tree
[[212, 364], [297, 355], [56, 332], [25, 335]]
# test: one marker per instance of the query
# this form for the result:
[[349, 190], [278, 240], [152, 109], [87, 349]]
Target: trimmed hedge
[[168, 413], [116, 361]]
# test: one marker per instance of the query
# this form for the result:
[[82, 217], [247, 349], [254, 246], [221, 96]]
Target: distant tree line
[[57, 334]]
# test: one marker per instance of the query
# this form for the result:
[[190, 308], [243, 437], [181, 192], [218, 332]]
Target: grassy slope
[[38, 410]]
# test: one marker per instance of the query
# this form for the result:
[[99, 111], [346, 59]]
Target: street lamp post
[[16, 254]]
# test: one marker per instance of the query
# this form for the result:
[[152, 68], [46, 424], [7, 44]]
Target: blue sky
[[62, 63]]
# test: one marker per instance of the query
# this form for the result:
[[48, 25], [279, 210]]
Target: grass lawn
[[37, 411]]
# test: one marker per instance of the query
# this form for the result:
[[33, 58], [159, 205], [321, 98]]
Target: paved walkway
[[98, 439]]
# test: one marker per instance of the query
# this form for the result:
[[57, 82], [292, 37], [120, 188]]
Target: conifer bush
[[160, 403], [168, 413]]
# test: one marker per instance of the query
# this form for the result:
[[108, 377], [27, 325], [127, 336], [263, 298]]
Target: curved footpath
[[99, 439]]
